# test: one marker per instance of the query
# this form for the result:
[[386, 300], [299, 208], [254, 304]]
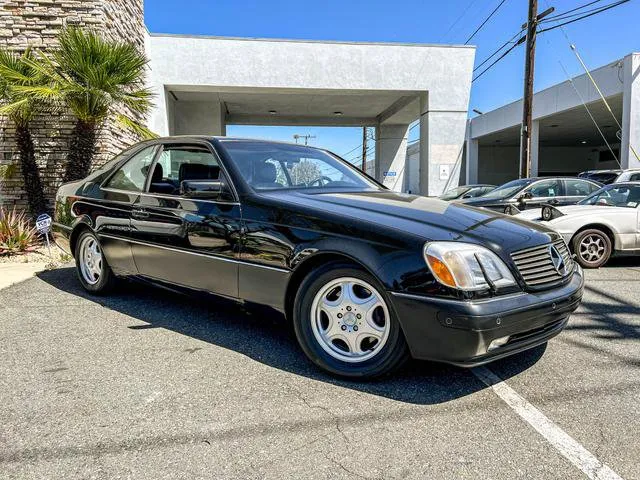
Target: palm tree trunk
[[30, 173], [81, 150]]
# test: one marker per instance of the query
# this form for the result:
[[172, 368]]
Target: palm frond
[[143, 132]]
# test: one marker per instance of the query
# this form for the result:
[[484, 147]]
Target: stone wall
[[36, 23]]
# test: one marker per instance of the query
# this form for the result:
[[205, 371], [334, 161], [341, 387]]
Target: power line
[[497, 50], [485, 21], [471, 3], [520, 41], [560, 16], [600, 10]]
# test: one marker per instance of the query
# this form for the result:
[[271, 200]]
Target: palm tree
[[94, 78], [16, 75]]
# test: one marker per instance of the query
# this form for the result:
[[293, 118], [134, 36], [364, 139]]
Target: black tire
[[587, 258], [390, 356], [106, 279]]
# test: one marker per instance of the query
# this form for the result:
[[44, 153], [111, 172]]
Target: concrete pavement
[[148, 384]]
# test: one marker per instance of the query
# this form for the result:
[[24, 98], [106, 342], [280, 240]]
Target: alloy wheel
[[90, 260], [350, 319], [592, 248]]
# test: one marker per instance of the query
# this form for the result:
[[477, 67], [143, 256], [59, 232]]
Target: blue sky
[[599, 39]]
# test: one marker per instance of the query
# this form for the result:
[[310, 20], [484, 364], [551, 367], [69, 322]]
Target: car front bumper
[[462, 332]]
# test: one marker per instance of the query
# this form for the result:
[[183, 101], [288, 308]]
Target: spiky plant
[[16, 233], [94, 78], [17, 76]]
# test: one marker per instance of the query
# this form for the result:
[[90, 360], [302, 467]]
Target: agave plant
[[94, 78], [17, 235], [21, 107]]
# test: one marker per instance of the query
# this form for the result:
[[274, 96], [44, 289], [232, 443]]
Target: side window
[[579, 188], [179, 163], [635, 177], [545, 188], [133, 174]]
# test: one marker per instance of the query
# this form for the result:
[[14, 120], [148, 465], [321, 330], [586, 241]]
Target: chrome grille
[[536, 264]]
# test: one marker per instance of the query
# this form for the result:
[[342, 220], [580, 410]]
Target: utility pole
[[364, 149], [527, 99], [306, 138]]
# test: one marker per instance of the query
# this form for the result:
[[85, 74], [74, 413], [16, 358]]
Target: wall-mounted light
[[553, 125], [338, 113], [583, 142], [273, 112]]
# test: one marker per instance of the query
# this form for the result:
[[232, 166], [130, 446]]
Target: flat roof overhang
[[308, 82]]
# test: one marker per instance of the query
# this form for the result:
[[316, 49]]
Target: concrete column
[[391, 155], [158, 121], [472, 157], [630, 112], [442, 137], [535, 147], [198, 118]]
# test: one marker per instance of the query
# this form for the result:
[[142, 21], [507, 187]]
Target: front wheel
[[592, 248], [94, 273], [345, 324]]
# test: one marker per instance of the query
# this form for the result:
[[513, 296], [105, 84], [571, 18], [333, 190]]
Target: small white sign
[[43, 223], [445, 171], [390, 173]]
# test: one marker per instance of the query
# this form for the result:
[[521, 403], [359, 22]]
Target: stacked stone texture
[[36, 23]]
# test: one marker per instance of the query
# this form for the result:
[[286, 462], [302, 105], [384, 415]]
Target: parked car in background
[[367, 276], [466, 191], [604, 177], [602, 224], [630, 175], [528, 193]]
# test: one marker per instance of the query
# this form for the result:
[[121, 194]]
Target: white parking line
[[567, 446]]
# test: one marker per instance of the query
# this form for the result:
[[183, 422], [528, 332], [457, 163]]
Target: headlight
[[466, 266]]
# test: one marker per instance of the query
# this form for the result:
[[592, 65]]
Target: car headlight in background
[[466, 266]]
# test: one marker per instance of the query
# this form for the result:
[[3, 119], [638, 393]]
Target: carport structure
[[206, 83], [564, 139]]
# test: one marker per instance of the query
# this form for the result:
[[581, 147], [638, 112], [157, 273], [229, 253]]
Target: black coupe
[[368, 277]]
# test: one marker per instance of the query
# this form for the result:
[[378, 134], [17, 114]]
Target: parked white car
[[631, 175], [604, 223]]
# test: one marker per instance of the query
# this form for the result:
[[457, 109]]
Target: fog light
[[497, 343]]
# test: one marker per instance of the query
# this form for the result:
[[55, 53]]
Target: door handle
[[139, 214]]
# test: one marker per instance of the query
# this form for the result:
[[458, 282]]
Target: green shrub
[[16, 233]]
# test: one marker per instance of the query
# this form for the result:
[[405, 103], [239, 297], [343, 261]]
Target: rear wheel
[[592, 248], [94, 273], [345, 324]]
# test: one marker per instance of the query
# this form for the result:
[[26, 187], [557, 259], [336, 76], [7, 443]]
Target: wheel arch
[[80, 227], [595, 226], [310, 264]]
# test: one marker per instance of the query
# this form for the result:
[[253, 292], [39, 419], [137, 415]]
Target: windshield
[[507, 190], [273, 166], [454, 193], [615, 196]]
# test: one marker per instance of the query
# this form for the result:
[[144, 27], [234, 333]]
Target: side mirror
[[467, 195], [204, 189]]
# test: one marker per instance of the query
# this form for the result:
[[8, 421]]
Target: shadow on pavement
[[266, 337]]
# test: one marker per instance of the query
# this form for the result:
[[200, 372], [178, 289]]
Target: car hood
[[427, 218]]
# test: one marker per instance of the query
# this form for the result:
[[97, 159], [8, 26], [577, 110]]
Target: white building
[[564, 138], [206, 83]]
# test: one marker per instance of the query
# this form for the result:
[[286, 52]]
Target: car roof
[[209, 138]]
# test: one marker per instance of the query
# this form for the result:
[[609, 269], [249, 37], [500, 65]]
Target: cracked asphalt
[[151, 384]]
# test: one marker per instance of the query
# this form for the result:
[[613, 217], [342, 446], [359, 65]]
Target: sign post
[[43, 225]]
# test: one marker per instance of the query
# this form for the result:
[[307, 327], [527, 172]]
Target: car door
[[575, 189], [187, 241], [547, 191], [111, 210]]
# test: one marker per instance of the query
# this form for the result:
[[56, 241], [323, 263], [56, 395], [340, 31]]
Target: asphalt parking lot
[[151, 384]]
